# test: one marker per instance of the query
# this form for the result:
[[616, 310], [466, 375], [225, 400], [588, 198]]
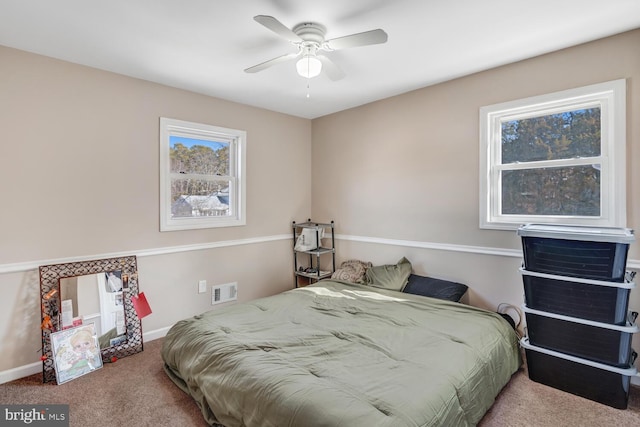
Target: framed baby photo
[[76, 352]]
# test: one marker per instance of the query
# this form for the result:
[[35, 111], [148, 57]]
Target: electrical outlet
[[202, 286]]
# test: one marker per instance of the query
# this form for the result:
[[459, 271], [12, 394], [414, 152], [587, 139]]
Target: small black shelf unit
[[313, 241]]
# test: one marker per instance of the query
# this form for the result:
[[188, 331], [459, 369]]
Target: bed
[[337, 353]]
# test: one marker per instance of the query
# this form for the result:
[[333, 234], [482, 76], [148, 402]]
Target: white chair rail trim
[[480, 250]]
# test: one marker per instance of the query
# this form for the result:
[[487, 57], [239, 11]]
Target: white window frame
[[237, 175], [610, 97]]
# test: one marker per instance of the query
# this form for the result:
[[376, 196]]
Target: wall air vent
[[224, 293]]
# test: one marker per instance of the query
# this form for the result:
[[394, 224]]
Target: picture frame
[[76, 352]]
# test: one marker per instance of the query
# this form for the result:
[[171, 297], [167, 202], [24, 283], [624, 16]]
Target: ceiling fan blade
[[360, 39], [277, 27], [269, 63], [333, 71]]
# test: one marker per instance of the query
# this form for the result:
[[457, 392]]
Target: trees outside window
[[202, 176], [557, 158]]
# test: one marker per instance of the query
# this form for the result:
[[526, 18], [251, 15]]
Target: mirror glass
[[99, 292], [98, 299]]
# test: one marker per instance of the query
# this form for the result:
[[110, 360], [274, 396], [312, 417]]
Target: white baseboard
[[36, 368], [20, 372], [155, 334]]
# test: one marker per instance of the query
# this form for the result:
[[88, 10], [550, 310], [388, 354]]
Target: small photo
[[75, 352], [114, 281]]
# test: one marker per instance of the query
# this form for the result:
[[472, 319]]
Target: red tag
[[141, 305]]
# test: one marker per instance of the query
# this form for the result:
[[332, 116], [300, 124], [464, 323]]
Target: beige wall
[[79, 173], [406, 168], [80, 161]]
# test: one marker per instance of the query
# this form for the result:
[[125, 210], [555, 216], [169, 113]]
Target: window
[[202, 176], [556, 158]]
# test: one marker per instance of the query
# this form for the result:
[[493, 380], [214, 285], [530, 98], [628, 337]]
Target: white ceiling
[[204, 45]]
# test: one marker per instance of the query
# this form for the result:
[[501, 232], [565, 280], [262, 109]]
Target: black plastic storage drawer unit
[[599, 342], [608, 385], [587, 252], [596, 300]]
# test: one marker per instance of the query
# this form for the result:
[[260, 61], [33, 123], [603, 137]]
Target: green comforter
[[340, 354]]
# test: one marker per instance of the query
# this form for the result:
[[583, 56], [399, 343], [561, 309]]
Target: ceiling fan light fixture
[[309, 66], [308, 37]]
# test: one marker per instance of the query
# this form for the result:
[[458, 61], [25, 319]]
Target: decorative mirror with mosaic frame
[[97, 292]]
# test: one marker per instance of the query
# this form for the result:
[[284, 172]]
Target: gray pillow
[[435, 288], [389, 276]]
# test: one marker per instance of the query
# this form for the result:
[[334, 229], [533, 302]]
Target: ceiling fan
[[309, 39]]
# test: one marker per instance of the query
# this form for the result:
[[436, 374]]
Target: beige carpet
[[135, 391]]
